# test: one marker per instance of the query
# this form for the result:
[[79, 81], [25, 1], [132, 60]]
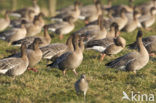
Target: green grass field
[[105, 84]]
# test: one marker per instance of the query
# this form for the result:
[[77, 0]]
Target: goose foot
[[60, 36], [75, 72], [33, 69], [102, 57], [152, 54]]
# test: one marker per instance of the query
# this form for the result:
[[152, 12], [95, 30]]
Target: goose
[[132, 61], [62, 28], [145, 7], [45, 40], [4, 22], [116, 9], [149, 43], [93, 15], [107, 46], [27, 18], [133, 24], [75, 13], [122, 20], [15, 66], [81, 85], [54, 50], [72, 59], [93, 32], [34, 54], [14, 34], [23, 11], [150, 20], [34, 28]]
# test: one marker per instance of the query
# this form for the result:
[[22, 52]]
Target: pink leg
[[102, 57]]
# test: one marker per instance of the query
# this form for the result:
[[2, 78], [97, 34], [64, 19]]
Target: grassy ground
[[106, 85]]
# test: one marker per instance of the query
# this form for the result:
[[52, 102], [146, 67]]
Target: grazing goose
[[107, 46], [22, 12], [45, 40], [72, 59], [62, 28], [149, 43], [133, 24], [93, 32], [15, 66], [93, 15], [75, 13], [150, 20], [81, 85], [4, 22], [52, 51], [132, 61], [14, 34]]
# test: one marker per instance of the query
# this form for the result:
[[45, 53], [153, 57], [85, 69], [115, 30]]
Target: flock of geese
[[101, 33]]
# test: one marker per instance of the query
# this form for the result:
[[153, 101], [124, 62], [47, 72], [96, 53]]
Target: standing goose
[[150, 20], [34, 54], [93, 32], [52, 51], [4, 22], [107, 46], [72, 59], [133, 24], [14, 34], [15, 66], [45, 40], [75, 13], [132, 61], [62, 28], [149, 42], [81, 85]]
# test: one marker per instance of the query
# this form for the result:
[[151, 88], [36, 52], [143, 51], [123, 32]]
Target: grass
[[105, 85]]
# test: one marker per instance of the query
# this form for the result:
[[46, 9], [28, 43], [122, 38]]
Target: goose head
[[76, 5], [83, 76], [120, 41], [153, 11], [115, 27], [98, 5], [36, 43], [136, 15], [123, 11], [75, 42]]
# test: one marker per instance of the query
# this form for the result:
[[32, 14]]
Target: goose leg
[[148, 29], [64, 72], [84, 95], [102, 57], [60, 36], [75, 72], [33, 69]]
